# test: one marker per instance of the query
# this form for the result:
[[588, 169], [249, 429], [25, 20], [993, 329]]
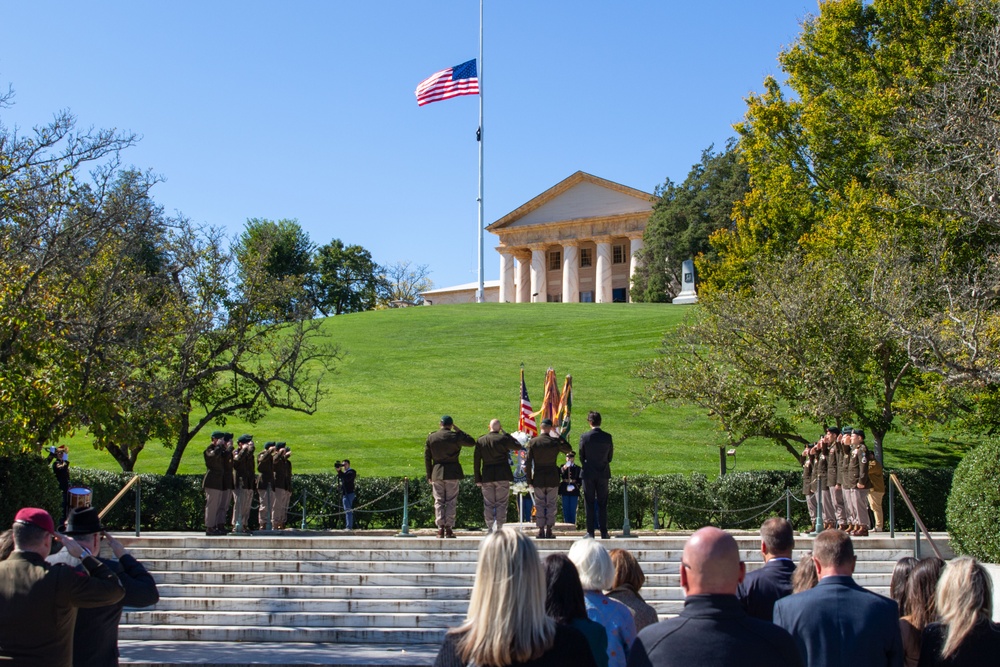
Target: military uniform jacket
[[216, 463], [543, 452], [265, 469], [489, 463], [95, 642], [441, 453], [38, 607], [857, 468], [830, 466], [876, 475], [282, 473], [570, 474], [843, 460], [243, 467], [819, 470]]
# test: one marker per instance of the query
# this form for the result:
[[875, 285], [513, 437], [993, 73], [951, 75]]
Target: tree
[[283, 250], [684, 216], [346, 279], [404, 282]]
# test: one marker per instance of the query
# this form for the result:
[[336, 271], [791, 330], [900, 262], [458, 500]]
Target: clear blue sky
[[306, 110]]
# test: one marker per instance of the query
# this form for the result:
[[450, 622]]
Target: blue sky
[[306, 110]]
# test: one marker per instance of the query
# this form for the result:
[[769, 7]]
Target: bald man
[[493, 476], [713, 630], [838, 622]]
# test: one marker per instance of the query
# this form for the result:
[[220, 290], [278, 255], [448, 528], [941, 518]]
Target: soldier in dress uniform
[[809, 481], [857, 485], [843, 449], [282, 484], [493, 474], [265, 485], [243, 482], [218, 485], [543, 475], [441, 452]]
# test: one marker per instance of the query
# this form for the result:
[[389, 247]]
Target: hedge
[[681, 502], [974, 504]]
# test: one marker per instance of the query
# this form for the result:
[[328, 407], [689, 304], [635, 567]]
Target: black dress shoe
[[604, 535]]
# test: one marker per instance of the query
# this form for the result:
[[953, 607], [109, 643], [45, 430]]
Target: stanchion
[[892, 511], [405, 531], [916, 540], [626, 528], [138, 505], [656, 510]]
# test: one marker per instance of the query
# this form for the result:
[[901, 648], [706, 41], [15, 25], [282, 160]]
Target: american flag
[[526, 422], [448, 83]]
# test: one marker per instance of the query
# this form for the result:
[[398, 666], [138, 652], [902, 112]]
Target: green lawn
[[404, 368]]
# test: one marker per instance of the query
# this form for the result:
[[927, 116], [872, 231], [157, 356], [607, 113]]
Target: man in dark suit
[[38, 601], [763, 587], [712, 630], [444, 471], [838, 622], [596, 451]]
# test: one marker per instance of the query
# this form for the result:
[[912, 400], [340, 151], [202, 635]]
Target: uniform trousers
[[266, 498], [859, 506], [495, 498], [840, 502], [829, 511], [242, 499], [875, 502], [216, 507], [445, 502], [279, 511], [811, 504], [545, 505]]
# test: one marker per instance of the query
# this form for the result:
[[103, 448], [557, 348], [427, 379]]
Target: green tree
[[684, 216], [346, 279], [283, 250], [403, 281]]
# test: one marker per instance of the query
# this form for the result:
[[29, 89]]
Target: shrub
[[27, 481], [974, 504]]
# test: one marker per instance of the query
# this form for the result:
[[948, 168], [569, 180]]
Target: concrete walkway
[[283, 654]]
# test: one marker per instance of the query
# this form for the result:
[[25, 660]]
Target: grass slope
[[404, 368]]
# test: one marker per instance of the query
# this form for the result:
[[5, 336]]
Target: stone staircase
[[368, 588]]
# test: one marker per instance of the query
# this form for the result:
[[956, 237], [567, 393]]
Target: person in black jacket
[[597, 449], [95, 638], [762, 588], [713, 630], [569, 488], [346, 476]]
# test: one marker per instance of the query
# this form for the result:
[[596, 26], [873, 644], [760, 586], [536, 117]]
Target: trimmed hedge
[[27, 481], [974, 504], [680, 502]]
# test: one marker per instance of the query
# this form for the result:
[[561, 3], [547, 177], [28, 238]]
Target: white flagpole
[[480, 296]]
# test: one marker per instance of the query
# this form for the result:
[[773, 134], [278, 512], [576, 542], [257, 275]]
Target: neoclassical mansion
[[575, 242]]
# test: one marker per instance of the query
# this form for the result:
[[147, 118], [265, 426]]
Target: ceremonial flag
[[550, 402], [448, 83], [562, 419], [526, 421]]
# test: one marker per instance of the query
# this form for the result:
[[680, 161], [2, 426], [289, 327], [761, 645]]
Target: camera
[[338, 465]]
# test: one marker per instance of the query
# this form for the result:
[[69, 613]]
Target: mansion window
[[586, 257], [618, 254], [553, 298], [618, 295], [555, 260], [587, 297]]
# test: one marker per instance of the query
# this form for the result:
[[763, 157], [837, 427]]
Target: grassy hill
[[404, 368]]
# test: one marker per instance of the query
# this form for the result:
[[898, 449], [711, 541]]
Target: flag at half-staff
[[562, 419], [526, 419]]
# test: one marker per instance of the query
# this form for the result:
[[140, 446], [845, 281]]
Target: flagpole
[[480, 297]]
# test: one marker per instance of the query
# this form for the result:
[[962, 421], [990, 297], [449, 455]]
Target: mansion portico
[[575, 242]]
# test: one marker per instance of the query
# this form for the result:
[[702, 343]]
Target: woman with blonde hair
[[965, 636], [805, 576], [596, 575], [507, 623]]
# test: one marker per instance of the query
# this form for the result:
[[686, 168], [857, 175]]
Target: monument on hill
[[688, 294]]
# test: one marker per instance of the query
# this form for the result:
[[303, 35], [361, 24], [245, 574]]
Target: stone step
[[316, 592], [313, 605], [335, 635], [240, 619]]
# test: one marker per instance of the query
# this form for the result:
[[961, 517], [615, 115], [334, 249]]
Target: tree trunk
[[722, 461], [183, 438], [126, 459]]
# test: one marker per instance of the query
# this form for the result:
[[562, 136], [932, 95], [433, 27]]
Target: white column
[[635, 245], [571, 273], [603, 271], [506, 276], [538, 271], [523, 277]]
